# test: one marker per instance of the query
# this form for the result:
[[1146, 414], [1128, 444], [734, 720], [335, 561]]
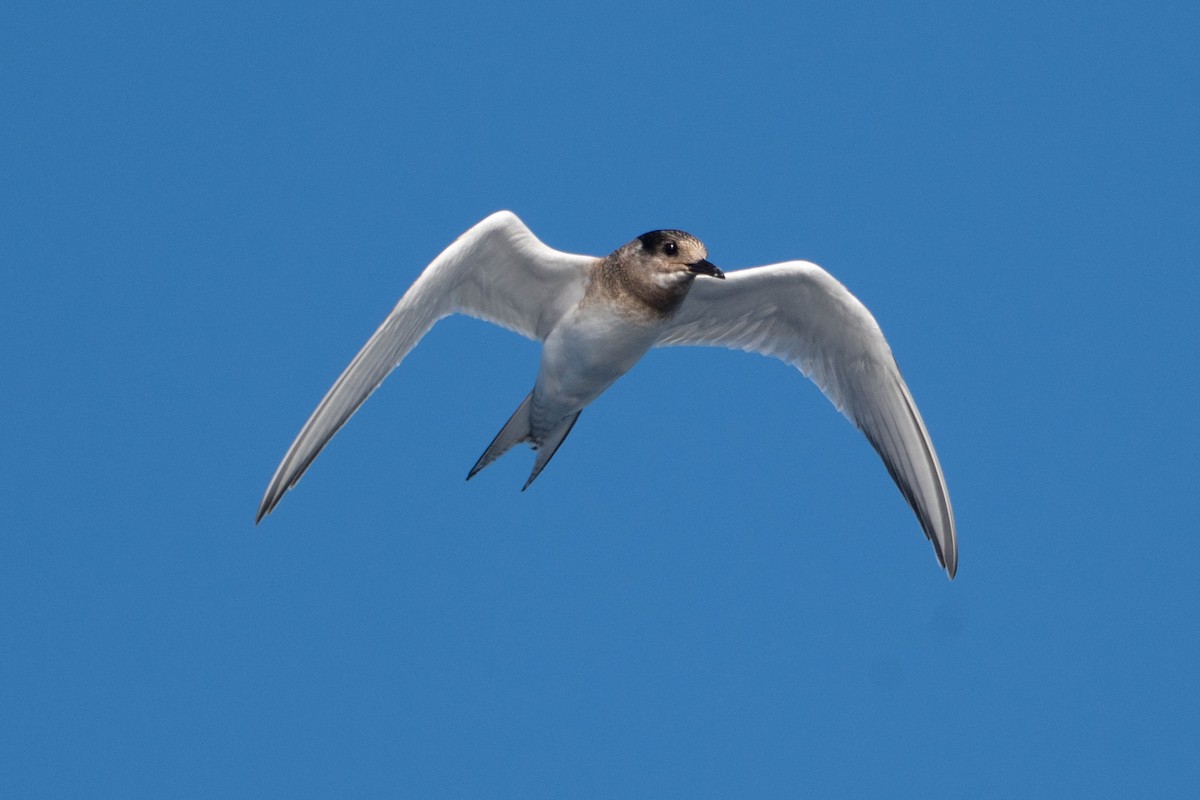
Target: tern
[[596, 317]]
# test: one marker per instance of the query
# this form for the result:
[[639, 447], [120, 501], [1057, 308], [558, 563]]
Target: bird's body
[[598, 317], [585, 353], [623, 313]]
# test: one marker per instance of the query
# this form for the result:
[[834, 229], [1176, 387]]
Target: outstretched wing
[[799, 313], [497, 271]]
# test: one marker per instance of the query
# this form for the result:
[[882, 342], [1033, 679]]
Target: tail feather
[[518, 429], [549, 446]]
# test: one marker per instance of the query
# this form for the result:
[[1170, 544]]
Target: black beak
[[703, 267]]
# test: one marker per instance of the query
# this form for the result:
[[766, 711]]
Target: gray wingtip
[[265, 507], [950, 564], [275, 492], [948, 557]]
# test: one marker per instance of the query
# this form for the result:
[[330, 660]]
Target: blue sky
[[714, 590]]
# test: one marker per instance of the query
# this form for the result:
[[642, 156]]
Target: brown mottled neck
[[619, 279]]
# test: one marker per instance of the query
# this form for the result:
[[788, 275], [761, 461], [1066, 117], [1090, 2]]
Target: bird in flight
[[596, 317]]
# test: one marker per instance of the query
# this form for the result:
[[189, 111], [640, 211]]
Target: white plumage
[[597, 317]]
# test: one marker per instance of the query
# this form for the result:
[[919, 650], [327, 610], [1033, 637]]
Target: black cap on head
[[654, 241]]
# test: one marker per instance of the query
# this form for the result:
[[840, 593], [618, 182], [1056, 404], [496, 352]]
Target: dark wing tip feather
[[910, 498], [947, 556], [280, 485]]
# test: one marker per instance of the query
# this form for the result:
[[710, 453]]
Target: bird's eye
[[670, 249]]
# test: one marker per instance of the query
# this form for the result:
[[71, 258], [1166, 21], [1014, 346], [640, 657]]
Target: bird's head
[[672, 256]]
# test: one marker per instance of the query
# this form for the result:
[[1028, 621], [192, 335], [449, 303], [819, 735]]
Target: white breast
[[588, 350]]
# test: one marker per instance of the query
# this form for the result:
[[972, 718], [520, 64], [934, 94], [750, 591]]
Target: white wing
[[799, 313], [497, 271]]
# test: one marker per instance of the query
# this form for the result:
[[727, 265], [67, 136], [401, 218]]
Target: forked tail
[[519, 429]]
